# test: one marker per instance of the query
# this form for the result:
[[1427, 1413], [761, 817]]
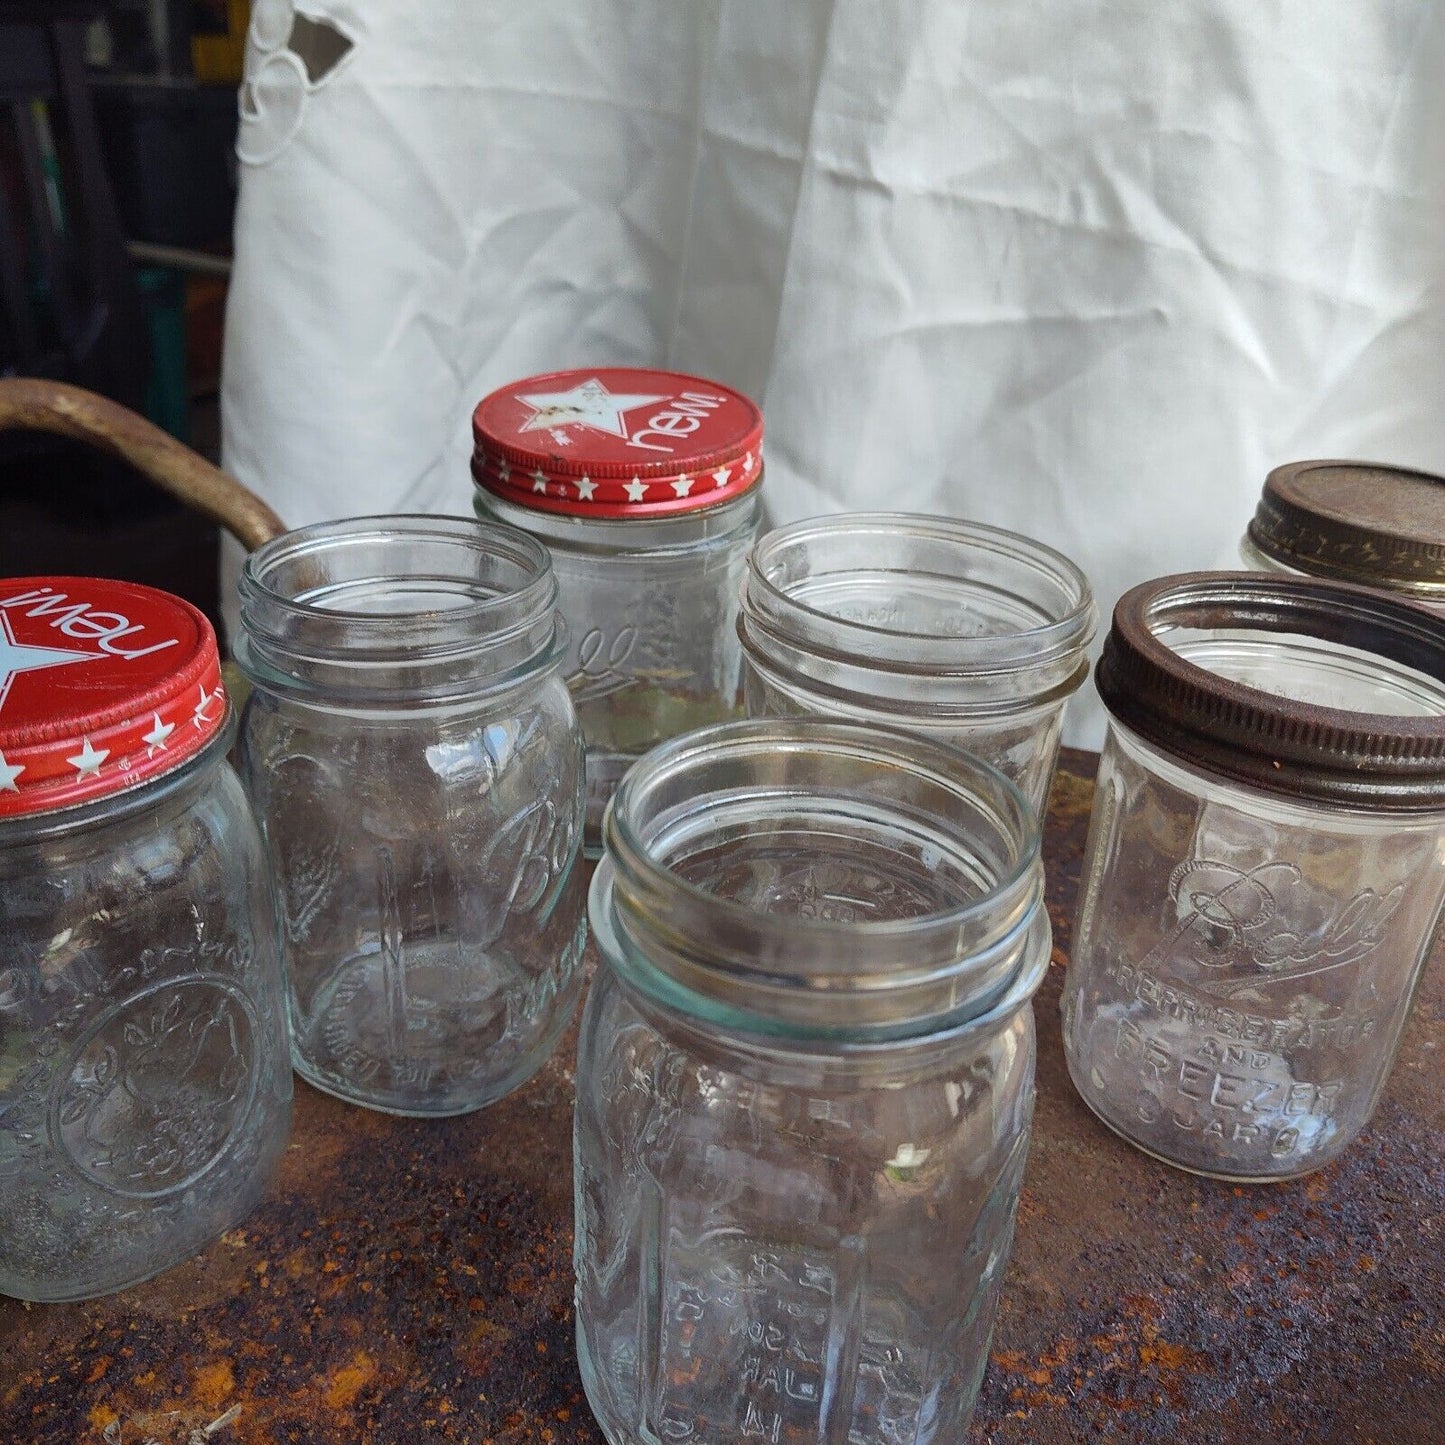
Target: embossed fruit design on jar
[[804, 1085], [145, 1083], [414, 759], [645, 487], [1265, 869]]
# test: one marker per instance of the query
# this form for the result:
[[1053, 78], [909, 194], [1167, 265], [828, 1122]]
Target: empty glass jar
[[415, 763], [645, 487], [962, 632], [1265, 868], [804, 1086], [1353, 522], [145, 1089]]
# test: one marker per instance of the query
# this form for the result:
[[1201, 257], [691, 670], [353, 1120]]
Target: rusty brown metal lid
[[1357, 522], [1253, 735]]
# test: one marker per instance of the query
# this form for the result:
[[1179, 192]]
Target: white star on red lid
[[8, 773], [585, 487], [636, 489], [587, 404], [200, 717], [682, 485], [720, 477], [539, 481], [88, 760], [156, 739], [16, 657]]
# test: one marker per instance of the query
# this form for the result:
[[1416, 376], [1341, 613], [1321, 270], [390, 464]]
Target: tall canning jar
[[962, 632], [1348, 521], [805, 1085], [414, 760], [145, 1090], [1265, 868], [645, 487]]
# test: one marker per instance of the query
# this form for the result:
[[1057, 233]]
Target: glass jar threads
[[145, 1089], [644, 486], [805, 1085], [415, 763], [1353, 522], [1263, 876], [963, 632]]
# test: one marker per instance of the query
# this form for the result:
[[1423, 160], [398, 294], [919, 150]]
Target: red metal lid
[[102, 685], [619, 442]]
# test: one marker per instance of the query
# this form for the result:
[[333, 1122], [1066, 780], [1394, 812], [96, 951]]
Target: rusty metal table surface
[[410, 1281]]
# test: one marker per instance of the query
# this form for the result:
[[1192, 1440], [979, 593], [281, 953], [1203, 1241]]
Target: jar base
[[447, 1107], [1224, 1176]]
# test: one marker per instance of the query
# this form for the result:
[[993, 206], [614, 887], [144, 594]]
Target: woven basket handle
[[70, 411]]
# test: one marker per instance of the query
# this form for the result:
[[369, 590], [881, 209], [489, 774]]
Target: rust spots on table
[[408, 1282]]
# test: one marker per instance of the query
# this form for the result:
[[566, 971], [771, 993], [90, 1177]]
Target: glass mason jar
[[962, 632], [804, 1087], [645, 487], [145, 1089], [1263, 877], [1353, 522], [414, 760]]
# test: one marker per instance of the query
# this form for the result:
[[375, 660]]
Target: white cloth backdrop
[[1082, 268]]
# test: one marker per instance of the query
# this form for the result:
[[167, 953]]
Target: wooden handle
[[70, 411]]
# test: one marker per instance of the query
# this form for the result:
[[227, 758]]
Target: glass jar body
[[145, 1082], [651, 608], [431, 906], [1022, 743], [791, 1245], [1243, 963], [951, 630]]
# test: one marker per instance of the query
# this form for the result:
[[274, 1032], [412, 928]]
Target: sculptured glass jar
[[962, 632], [644, 486], [804, 1086], [1353, 522], [1265, 867], [415, 763], [145, 1090]]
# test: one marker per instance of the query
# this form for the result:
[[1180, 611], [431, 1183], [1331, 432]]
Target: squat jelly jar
[[415, 763], [966, 633], [1265, 867], [145, 1089], [644, 486], [804, 1087]]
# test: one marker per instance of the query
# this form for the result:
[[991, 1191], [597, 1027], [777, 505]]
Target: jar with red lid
[[644, 485], [145, 1083]]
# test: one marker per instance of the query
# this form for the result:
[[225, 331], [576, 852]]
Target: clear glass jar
[[415, 762], [645, 487], [962, 632], [804, 1087], [1263, 877], [145, 1087], [1347, 521]]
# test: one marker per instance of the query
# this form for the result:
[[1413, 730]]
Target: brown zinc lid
[[1356, 522], [1247, 734]]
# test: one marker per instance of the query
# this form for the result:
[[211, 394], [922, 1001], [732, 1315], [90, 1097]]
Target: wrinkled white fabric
[[1082, 268]]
